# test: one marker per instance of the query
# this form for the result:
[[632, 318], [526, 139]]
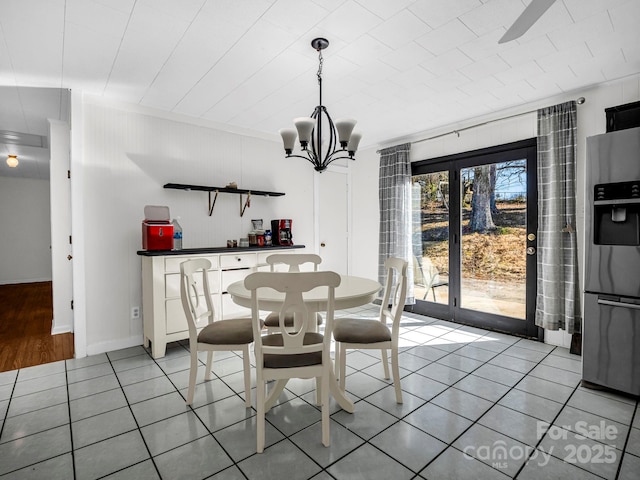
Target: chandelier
[[309, 129]]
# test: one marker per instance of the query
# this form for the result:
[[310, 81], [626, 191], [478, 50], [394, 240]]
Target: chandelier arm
[[331, 160], [308, 159], [331, 147]]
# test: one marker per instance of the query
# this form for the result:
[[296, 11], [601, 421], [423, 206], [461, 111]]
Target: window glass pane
[[431, 237], [494, 229]]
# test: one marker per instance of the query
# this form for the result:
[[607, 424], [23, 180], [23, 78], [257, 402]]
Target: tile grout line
[[494, 402], [209, 432], [73, 450], [6, 414], [564, 404], [137, 426], [626, 441], [396, 419]]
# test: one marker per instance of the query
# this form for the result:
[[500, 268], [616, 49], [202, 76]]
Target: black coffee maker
[[281, 231]]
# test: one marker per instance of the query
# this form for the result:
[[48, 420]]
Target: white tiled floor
[[476, 405]]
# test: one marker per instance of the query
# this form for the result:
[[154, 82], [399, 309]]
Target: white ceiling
[[27, 110], [398, 66]]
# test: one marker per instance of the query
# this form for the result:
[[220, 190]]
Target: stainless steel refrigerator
[[611, 333]]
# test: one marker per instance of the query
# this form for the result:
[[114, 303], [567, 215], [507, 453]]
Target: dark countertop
[[198, 251]]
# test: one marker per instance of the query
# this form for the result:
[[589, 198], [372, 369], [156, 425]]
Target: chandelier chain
[[320, 62]]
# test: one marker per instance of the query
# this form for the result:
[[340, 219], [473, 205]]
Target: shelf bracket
[[247, 203], [211, 205]]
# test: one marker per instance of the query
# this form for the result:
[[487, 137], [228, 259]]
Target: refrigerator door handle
[[618, 304]]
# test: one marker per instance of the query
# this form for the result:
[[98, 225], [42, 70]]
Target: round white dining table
[[352, 292]]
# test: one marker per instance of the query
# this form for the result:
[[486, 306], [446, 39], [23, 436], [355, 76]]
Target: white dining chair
[[293, 262], [288, 354], [207, 334], [362, 333]]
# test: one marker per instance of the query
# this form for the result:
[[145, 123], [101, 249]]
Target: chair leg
[[336, 360], [208, 375], [193, 372], [396, 374], [385, 363], [247, 376], [318, 391], [343, 365], [326, 438], [260, 399]]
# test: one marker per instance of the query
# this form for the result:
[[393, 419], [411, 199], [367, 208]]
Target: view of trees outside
[[493, 236]]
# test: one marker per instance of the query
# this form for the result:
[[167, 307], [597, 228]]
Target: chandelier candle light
[[309, 129]]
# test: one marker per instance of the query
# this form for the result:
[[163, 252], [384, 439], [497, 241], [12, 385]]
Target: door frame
[[452, 311]]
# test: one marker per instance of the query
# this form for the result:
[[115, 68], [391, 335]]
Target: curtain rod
[[579, 101]]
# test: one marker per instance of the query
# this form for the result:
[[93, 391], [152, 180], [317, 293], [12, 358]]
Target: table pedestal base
[[334, 387]]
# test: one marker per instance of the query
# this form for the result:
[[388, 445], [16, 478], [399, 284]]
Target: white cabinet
[[163, 316]]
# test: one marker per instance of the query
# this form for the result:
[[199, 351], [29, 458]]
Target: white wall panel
[[128, 157], [25, 230]]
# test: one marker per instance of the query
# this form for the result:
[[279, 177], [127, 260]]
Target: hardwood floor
[[26, 310]]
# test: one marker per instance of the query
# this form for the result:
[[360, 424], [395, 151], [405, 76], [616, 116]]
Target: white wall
[[128, 155], [25, 230], [591, 121]]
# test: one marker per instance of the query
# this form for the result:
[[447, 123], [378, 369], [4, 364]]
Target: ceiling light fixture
[[309, 129], [12, 161]]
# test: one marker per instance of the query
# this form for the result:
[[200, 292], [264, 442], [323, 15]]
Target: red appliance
[[157, 230], [281, 231]]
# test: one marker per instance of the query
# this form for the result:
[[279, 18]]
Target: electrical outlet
[[135, 312]]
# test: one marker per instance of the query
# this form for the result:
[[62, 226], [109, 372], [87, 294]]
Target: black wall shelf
[[217, 190]]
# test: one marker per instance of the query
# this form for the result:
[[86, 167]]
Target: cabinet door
[[176, 319], [172, 283]]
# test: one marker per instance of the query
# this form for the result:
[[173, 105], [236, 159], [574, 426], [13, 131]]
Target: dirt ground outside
[[493, 263]]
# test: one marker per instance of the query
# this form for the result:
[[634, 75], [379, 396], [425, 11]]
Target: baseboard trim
[[103, 347], [59, 330], [28, 280]]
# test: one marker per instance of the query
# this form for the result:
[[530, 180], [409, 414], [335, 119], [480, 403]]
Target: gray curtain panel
[[395, 211], [558, 298]]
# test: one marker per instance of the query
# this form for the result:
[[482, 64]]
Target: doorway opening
[[474, 237], [34, 126]]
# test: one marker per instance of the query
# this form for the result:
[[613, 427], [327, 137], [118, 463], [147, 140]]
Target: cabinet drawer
[[172, 283], [242, 260], [177, 321], [172, 264]]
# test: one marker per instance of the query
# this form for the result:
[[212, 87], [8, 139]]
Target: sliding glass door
[[475, 238]]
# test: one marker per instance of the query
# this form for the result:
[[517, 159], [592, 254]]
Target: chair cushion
[[295, 360], [273, 320], [227, 332], [358, 330]]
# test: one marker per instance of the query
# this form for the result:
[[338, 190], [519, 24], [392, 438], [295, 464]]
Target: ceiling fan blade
[[524, 22]]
